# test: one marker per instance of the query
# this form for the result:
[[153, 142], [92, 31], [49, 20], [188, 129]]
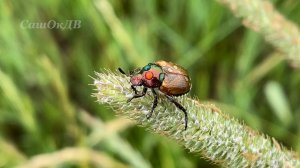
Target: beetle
[[169, 78]]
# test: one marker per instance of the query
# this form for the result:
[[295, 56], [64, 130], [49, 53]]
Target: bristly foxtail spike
[[210, 131]]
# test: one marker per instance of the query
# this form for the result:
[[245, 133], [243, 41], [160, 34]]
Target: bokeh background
[[46, 108]]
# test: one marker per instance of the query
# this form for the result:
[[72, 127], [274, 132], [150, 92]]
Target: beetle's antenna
[[121, 70], [137, 70]]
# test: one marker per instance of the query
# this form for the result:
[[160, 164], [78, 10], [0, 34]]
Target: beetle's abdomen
[[175, 84]]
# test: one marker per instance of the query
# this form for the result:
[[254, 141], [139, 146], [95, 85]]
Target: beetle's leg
[[138, 95], [134, 89], [178, 105], [154, 103]]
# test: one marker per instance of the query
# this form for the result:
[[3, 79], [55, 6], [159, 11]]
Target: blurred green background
[[45, 96]]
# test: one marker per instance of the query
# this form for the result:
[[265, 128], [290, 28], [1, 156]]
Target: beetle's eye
[[161, 76], [149, 75], [147, 67]]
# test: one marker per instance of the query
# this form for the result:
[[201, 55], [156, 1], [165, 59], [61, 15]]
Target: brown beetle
[[169, 78]]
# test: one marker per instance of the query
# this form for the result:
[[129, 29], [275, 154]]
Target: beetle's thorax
[[154, 82]]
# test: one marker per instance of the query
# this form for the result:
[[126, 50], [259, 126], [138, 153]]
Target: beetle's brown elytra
[[171, 79], [177, 81]]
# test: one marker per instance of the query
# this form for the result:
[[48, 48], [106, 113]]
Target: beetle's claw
[[129, 100], [185, 122], [149, 115]]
